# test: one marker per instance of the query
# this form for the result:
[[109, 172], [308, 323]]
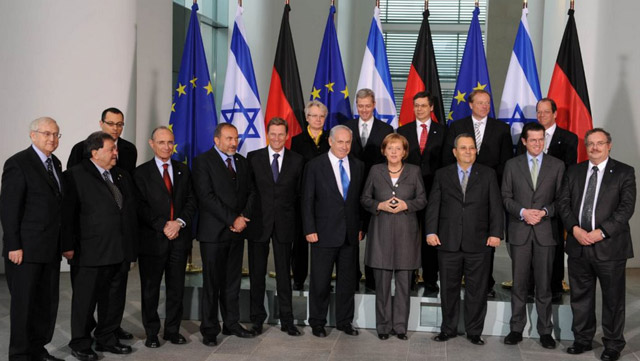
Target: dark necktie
[[274, 167], [167, 183], [423, 137], [230, 167], [52, 176], [344, 179], [114, 190], [589, 198]]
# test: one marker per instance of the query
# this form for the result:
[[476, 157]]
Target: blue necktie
[[345, 180], [274, 167]]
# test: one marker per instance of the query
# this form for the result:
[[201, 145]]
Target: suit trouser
[[392, 313], [557, 275], [258, 256], [322, 261], [172, 264], [474, 268], [531, 259], [300, 258], [222, 270], [95, 285], [584, 272], [34, 307]]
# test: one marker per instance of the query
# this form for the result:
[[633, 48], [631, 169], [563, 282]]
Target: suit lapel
[[544, 170], [40, 169], [286, 164], [609, 173], [433, 132], [523, 163], [328, 169], [453, 178]]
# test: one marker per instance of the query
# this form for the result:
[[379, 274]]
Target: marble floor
[[276, 345]]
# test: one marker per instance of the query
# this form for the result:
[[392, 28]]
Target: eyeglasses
[[421, 106], [599, 144], [316, 116], [112, 124], [49, 134]]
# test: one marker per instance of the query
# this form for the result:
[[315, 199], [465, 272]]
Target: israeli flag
[[240, 100], [522, 88], [375, 75]]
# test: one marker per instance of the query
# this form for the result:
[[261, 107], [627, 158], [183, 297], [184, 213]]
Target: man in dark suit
[[112, 123], [426, 141], [530, 187], [562, 144], [227, 202], [368, 134], [465, 221], [277, 172], [331, 221], [100, 227], [310, 144], [166, 207], [493, 143], [30, 203], [596, 202]]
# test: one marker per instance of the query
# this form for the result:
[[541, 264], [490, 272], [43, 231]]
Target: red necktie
[[167, 183], [423, 137]]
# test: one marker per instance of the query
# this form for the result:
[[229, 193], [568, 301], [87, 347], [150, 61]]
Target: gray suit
[[393, 242], [531, 246]]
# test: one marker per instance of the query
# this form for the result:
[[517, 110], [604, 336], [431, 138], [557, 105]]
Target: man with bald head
[[30, 203]]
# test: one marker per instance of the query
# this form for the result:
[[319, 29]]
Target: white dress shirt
[[419, 127], [271, 153], [548, 134], [369, 123], [336, 169], [159, 164]]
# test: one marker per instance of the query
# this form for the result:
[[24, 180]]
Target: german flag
[[568, 87], [285, 92], [423, 75]]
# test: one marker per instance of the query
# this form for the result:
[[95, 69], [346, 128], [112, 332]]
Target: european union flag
[[193, 111], [473, 72], [330, 84]]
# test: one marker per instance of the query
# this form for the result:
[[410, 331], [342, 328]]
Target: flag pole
[[240, 3], [525, 4], [571, 4], [426, 4], [477, 3], [332, 2], [286, 2]]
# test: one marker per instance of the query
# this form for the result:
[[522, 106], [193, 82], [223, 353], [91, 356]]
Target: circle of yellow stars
[[460, 97]]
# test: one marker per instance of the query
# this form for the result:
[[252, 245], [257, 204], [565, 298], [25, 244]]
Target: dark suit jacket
[[324, 211], [431, 159], [30, 208], [517, 193], [127, 155], [496, 147], [563, 145], [221, 199], [93, 226], [370, 154], [278, 199], [154, 207], [306, 147], [614, 207], [465, 224]]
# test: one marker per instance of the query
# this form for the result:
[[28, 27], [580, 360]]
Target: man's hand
[[172, 229], [68, 254], [595, 236], [493, 242], [582, 236], [533, 216], [433, 240], [361, 235], [312, 237], [239, 224], [16, 256]]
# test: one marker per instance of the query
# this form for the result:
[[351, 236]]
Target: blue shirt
[[461, 172], [225, 156], [43, 158], [530, 161]]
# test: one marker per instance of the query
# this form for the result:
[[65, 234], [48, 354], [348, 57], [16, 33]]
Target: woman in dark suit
[[393, 193]]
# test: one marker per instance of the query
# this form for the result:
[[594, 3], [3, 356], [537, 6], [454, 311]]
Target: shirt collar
[[100, 169], [43, 157], [427, 123], [530, 157], [483, 120], [272, 152], [223, 155], [462, 170], [551, 129], [334, 159], [600, 166], [159, 162]]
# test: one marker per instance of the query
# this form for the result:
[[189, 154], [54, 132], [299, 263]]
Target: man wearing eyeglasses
[[30, 205], [112, 123], [597, 200]]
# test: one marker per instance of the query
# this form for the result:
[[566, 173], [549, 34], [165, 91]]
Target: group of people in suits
[[425, 196]]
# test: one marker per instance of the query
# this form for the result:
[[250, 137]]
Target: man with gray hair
[[331, 223], [30, 204]]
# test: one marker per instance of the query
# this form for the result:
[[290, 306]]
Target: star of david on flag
[[522, 87], [240, 99]]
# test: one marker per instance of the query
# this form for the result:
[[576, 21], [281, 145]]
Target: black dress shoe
[[210, 341], [238, 330], [491, 293], [383, 336], [475, 339], [48, 357], [578, 348], [175, 338], [431, 287], [442, 337], [348, 329], [402, 336], [152, 342], [257, 328], [318, 331], [85, 355], [609, 355], [547, 341], [118, 348], [513, 338], [123, 335], [291, 330], [298, 286]]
